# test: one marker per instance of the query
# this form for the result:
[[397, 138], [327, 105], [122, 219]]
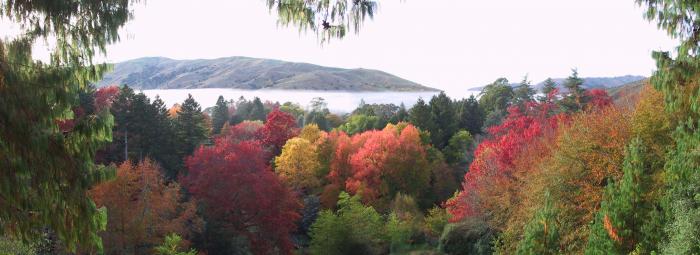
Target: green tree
[[444, 118], [190, 126], [547, 88], [496, 96], [575, 97], [470, 115], [401, 115], [219, 115], [46, 168], [523, 92], [542, 232], [467, 237], [164, 139], [142, 129], [456, 150], [494, 100], [677, 79], [354, 229], [618, 225], [171, 246], [359, 123], [681, 202], [295, 110], [257, 110], [420, 115], [317, 114]]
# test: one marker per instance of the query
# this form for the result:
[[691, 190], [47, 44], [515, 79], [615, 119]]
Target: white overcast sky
[[446, 44]]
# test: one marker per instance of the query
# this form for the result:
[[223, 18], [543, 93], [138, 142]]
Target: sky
[[446, 44]]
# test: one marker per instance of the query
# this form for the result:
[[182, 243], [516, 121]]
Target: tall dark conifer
[[190, 126], [257, 110], [470, 115], [575, 97], [523, 92], [443, 116], [219, 115], [420, 115]]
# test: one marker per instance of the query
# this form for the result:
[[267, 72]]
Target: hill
[[250, 73], [627, 93], [589, 82]]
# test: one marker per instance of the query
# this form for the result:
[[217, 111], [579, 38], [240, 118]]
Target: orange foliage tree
[[388, 162], [142, 209], [590, 152]]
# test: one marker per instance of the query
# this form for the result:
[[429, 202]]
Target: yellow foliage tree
[[590, 152], [298, 163], [312, 133]]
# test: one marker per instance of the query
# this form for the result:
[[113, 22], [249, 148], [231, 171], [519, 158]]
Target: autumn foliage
[[143, 209], [237, 187], [279, 127], [494, 167], [388, 162]]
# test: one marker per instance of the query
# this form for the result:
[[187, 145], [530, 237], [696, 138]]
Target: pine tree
[[257, 110], [523, 92], [442, 114], [401, 115], [618, 225], [123, 115], [575, 98], [681, 202], [190, 126], [420, 115], [164, 149], [547, 88], [470, 115], [541, 235], [219, 115]]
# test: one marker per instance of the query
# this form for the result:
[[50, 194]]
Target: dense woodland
[[513, 171]]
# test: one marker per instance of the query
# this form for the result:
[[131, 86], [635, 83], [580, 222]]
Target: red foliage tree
[[279, 127], [598, 99], [105, 96], [494, 157], [237, 188], [244, 131]]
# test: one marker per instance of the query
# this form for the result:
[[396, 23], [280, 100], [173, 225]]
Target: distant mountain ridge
[[588, 82], [250, 73]]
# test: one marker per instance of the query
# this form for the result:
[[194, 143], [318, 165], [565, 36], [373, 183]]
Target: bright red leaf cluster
[[494, 157], [279, 127], [598, 98], [105, 96], [237, 187], [379, 164], [234, 181]]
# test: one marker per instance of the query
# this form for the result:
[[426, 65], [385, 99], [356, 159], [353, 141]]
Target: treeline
[[566, 171], [247, 176]]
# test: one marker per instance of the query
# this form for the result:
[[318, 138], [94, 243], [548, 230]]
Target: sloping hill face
[[627, 94], [599, 82], [588, 83], [250, 73]]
